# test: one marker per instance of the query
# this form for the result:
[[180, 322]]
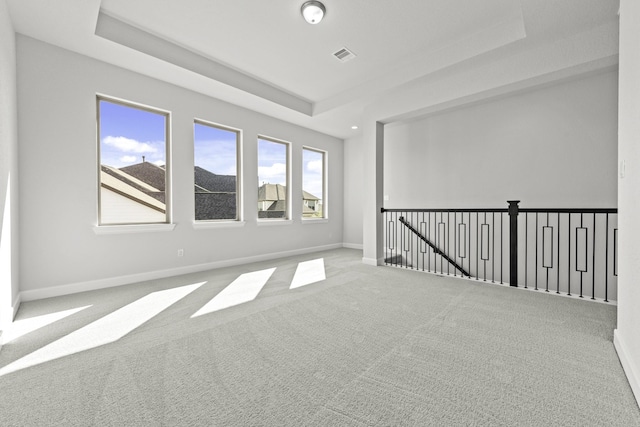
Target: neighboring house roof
[[215, 206], [274, 192], [308, 196], [215, 195], [212, 182], [119, 185], [279, 205], [147, 172], [134, 182]]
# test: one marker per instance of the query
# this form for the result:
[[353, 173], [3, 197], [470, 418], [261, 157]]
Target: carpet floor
[[356, 346]]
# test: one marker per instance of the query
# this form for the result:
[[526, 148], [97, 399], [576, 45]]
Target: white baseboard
[[627, 363], [9, 313], [352, 246], [55, 291], [16, 305], [373, 261]]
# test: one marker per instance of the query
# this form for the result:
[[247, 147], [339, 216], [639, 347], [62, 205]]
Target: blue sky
[[272, 162], [215, 149], [127, 134], [312, 170]]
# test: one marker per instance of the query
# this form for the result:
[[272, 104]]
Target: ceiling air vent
[[344, 54]]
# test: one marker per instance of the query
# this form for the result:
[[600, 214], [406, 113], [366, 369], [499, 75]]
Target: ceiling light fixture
[[313, 11]]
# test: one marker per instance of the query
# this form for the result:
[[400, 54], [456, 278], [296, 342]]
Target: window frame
[[325, 184], [239, 219], [288, 214], [135, 227]]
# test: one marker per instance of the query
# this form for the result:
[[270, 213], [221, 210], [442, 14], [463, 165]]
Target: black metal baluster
[[455, 239], [440, 244], [569, 258], [536, 251], [593, 261], [558, 260], [429, 237], [606, 261], [543, 253], [393, 225], [447, 250], [526, 248], [424, 232], [587, 248], [484, 261], [493, 247], [469, 241], [501, 242]]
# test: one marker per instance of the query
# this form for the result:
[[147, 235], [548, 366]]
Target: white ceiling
[[262, 55]]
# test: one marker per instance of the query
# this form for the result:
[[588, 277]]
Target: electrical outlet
[[180, 252]]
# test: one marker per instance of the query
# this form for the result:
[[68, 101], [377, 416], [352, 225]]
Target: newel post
[[513, 242]]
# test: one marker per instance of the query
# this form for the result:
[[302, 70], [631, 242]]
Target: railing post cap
[[513, 207]]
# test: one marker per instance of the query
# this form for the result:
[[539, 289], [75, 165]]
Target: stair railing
[[568, 251]]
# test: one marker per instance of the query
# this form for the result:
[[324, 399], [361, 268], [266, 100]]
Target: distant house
[[272, 202], [311, 205]]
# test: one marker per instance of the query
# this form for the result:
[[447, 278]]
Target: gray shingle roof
[[154, 192], [274, 192], [210, 206], [148, 172], [213, 182]]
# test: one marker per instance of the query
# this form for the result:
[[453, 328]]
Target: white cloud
[[315, 166], [274, 174], [128, 159], [128, 145]]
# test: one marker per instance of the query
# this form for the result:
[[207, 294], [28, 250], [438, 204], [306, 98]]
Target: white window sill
[[133, 228], [270, 222], [315, 220], [201, 225]]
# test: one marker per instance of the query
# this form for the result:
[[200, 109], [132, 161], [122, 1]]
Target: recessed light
[[354, 127]]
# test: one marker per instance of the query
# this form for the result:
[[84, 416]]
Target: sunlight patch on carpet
[[244, 289], [308, 272], [105, 330], [26, 326]]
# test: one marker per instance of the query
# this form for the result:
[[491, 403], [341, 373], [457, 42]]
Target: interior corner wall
[[8, 169], [353, 199], [554, 146], [627, 337], [58, 179]]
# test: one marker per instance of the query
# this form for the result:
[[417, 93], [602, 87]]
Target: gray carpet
[[365, 347]]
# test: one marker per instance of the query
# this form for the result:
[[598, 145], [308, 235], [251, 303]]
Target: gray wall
[[8, 169], [552, 147], [627, 337], [58, 179], [353, 192]]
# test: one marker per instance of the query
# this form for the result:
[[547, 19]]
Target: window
[[133, 146], [313, 183], [215, 172], [273, 178]]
